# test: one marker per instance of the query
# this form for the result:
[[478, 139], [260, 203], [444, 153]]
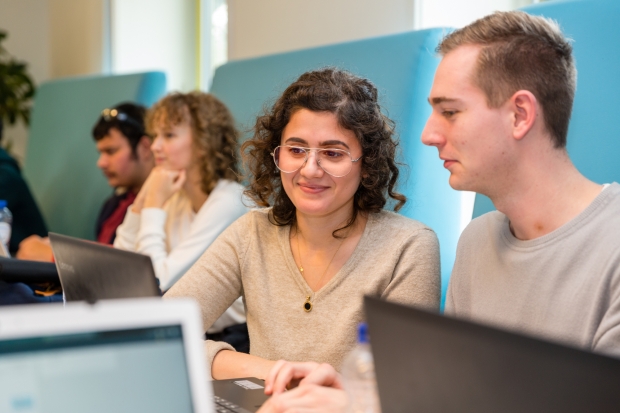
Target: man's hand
[[35, 248], [308, 398]]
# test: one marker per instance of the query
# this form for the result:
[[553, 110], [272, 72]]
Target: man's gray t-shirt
[[563, 286]]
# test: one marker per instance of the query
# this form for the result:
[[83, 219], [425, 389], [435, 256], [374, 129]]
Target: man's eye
[[448, 113]]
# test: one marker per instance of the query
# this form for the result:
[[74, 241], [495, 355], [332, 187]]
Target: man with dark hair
[[126, 160], [547, 262]]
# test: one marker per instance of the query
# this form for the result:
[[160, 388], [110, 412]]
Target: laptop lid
[[89, 271], [122, 356], [431, 363]]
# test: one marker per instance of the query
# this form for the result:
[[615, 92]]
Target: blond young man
[[547, 262]]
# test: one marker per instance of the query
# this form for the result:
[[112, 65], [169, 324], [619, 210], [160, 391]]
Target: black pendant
[[308, 305]]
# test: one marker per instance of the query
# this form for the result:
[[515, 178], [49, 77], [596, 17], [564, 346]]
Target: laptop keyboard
[[224, 406]]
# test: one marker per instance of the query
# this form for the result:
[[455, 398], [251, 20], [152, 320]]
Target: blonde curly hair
[[214, 135]]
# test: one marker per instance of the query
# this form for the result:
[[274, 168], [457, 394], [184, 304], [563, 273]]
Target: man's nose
[[431, 135], [102, 162]]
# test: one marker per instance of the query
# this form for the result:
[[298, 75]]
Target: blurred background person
[[27, 218], [191, 195], [125, 158]]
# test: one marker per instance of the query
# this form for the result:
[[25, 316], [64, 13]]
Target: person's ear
[[143, 149], [525, 111]]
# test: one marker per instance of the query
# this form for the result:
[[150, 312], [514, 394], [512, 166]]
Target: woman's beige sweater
[[396, 259]]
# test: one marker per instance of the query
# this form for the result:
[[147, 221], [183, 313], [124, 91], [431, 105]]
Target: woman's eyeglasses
[[336, 162]]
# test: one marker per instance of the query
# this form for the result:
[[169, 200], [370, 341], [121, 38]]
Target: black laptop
[[426, 362], [89, 271]]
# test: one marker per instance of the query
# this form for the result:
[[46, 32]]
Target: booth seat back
[[402, 67], [61, 155], [594, 133]]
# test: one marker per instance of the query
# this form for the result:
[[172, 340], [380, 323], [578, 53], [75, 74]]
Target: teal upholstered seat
[[402, 66], [594, 134], [61, 156]]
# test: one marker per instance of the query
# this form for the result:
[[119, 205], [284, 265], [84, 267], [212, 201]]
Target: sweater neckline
[[602, 199], [293, 270]]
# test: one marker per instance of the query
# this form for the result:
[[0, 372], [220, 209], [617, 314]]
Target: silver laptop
[[430, 363], [122, 356], [89, 271]]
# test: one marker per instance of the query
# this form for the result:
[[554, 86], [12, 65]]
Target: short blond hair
[[522, 52]]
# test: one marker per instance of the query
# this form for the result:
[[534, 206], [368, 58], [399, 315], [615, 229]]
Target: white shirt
[[175, 236]]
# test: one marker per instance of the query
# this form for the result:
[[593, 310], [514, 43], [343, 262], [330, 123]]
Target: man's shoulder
[[484, 227]]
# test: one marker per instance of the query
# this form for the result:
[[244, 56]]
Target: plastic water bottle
[[6, 220], [358, 373]]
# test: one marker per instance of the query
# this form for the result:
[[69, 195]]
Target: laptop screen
[[130, 370]]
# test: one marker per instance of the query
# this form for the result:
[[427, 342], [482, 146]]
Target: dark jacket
[[27, 219]]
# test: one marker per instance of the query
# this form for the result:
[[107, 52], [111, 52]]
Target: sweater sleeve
[[127, 232], [607, 336], [221, 210], [416, 279], [214, 281]]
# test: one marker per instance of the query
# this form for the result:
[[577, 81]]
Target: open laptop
[[89, 271], [122, 356], [430, 363]]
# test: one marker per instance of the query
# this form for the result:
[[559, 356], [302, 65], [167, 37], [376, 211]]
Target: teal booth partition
[[402, 66], [594, 135], [60, 164]]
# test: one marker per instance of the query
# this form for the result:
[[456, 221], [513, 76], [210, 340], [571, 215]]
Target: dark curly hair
[[354, 102], [214, 135]]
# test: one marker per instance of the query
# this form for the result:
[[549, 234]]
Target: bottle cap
[[362, 333], [2, 203]]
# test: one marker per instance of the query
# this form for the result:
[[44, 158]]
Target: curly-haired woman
[[323, 161], [191, 195]]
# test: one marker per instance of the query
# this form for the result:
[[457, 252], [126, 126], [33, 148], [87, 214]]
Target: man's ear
[[525, 109], [143, 149]]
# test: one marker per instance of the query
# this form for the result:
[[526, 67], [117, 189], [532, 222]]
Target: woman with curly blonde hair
[[192, 194], [322, 163]]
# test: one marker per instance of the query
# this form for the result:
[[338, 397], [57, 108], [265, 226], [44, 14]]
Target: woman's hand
[[158, 188], [319, 391], [286, 375]]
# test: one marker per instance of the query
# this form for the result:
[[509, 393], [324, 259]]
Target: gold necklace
[[308, 302]]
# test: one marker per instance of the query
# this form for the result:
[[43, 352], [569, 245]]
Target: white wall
[[156, 35], [76, 37], [438, 13], [259, 27], [57, 38], [27, 24]]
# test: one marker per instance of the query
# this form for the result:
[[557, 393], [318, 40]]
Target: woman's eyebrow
[[293, 139], [334, 142]]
